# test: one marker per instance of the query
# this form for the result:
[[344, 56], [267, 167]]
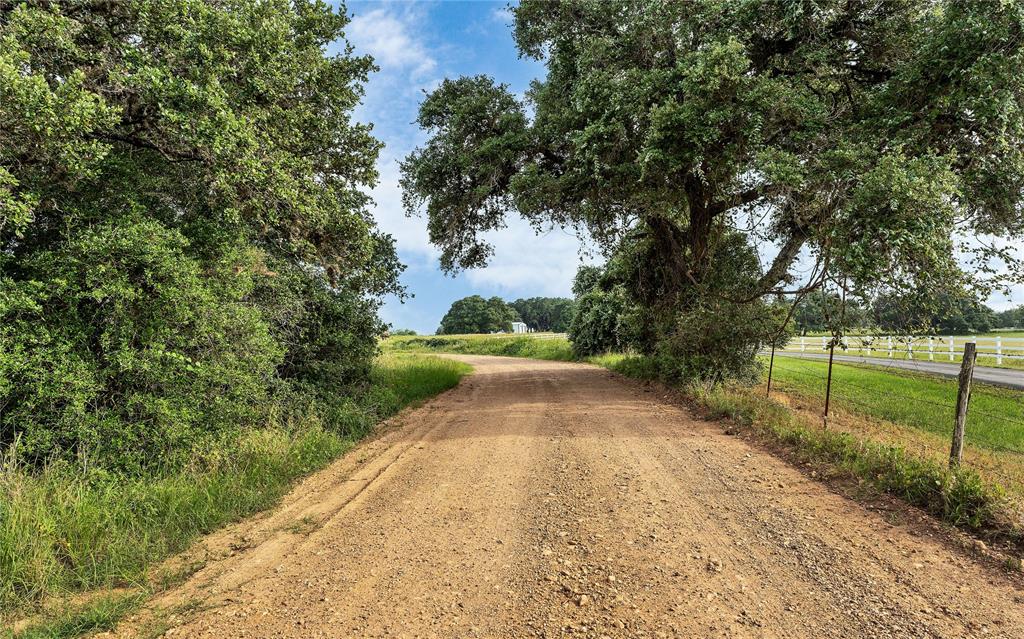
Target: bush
[[117, 348], [715, 341], [597, 325]]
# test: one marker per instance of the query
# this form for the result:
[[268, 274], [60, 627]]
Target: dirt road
[[542, 499]]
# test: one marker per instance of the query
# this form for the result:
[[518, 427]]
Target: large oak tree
[[867, 136]]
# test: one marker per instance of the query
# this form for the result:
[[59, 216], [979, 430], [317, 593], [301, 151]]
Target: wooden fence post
[[771, 365], [828, 385], [963, 396]]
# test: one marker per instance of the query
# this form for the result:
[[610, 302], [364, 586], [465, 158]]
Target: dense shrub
[[119, 348], [185, 249], [597, 324]]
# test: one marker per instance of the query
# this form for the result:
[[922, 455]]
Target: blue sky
[[416, 45]]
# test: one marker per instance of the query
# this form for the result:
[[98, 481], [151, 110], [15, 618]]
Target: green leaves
[[462, 175], [474, 314], [184, 235]]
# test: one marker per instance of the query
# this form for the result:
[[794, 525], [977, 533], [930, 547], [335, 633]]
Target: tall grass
[[64, 529]]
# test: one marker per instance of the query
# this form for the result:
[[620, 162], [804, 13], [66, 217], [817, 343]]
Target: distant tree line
[[955, 314], [474, 314]]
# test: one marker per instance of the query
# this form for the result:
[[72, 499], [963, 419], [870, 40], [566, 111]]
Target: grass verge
[[962, 497], [65, 530], [557, 348]]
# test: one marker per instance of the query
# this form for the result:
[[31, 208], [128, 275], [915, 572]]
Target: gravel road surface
[[546, 499]]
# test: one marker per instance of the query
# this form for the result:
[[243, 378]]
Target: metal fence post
[[931, 348], [999, 349], [952, 348]]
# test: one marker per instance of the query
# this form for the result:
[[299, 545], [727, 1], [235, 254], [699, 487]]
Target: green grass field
[[995, 418], [557, 348], [63, 531]]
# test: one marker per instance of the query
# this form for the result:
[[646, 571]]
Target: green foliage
[[820, 312], [550, 314], [120, 350], [185, 248], [1010, 318], [598, 325], [67, 528], [865, 136], [402, 331], [474, 314], [946, 313]]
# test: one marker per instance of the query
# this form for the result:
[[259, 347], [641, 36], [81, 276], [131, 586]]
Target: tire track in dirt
[[544, 499]]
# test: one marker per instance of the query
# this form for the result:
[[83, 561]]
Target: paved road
[[548, 499], [1007, 377]]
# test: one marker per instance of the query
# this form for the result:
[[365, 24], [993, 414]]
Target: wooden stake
[[828, 385], [963, 396], [771, 365]]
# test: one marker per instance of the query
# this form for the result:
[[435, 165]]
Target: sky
[[417, 45]]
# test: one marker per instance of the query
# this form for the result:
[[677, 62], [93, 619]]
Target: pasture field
[[534, 345], [996, 417], [909, 410]]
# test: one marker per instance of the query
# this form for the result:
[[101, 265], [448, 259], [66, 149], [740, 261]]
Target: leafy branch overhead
[[870, 136]]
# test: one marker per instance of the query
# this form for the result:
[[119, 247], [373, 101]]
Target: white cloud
[[387, 36], [410, 233], [503, 15], [528, 264]]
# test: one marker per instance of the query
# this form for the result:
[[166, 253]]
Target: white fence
[[932, 348]]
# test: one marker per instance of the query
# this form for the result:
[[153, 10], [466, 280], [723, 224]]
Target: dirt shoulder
[[543, 499]]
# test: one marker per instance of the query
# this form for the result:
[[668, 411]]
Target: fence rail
[[933, 347]]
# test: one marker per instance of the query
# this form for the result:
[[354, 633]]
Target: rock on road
[[546, 499]]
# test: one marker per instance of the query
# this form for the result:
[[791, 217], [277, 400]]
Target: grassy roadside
[[963, 497], [65, 531], [877, 437], [557, 349]]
